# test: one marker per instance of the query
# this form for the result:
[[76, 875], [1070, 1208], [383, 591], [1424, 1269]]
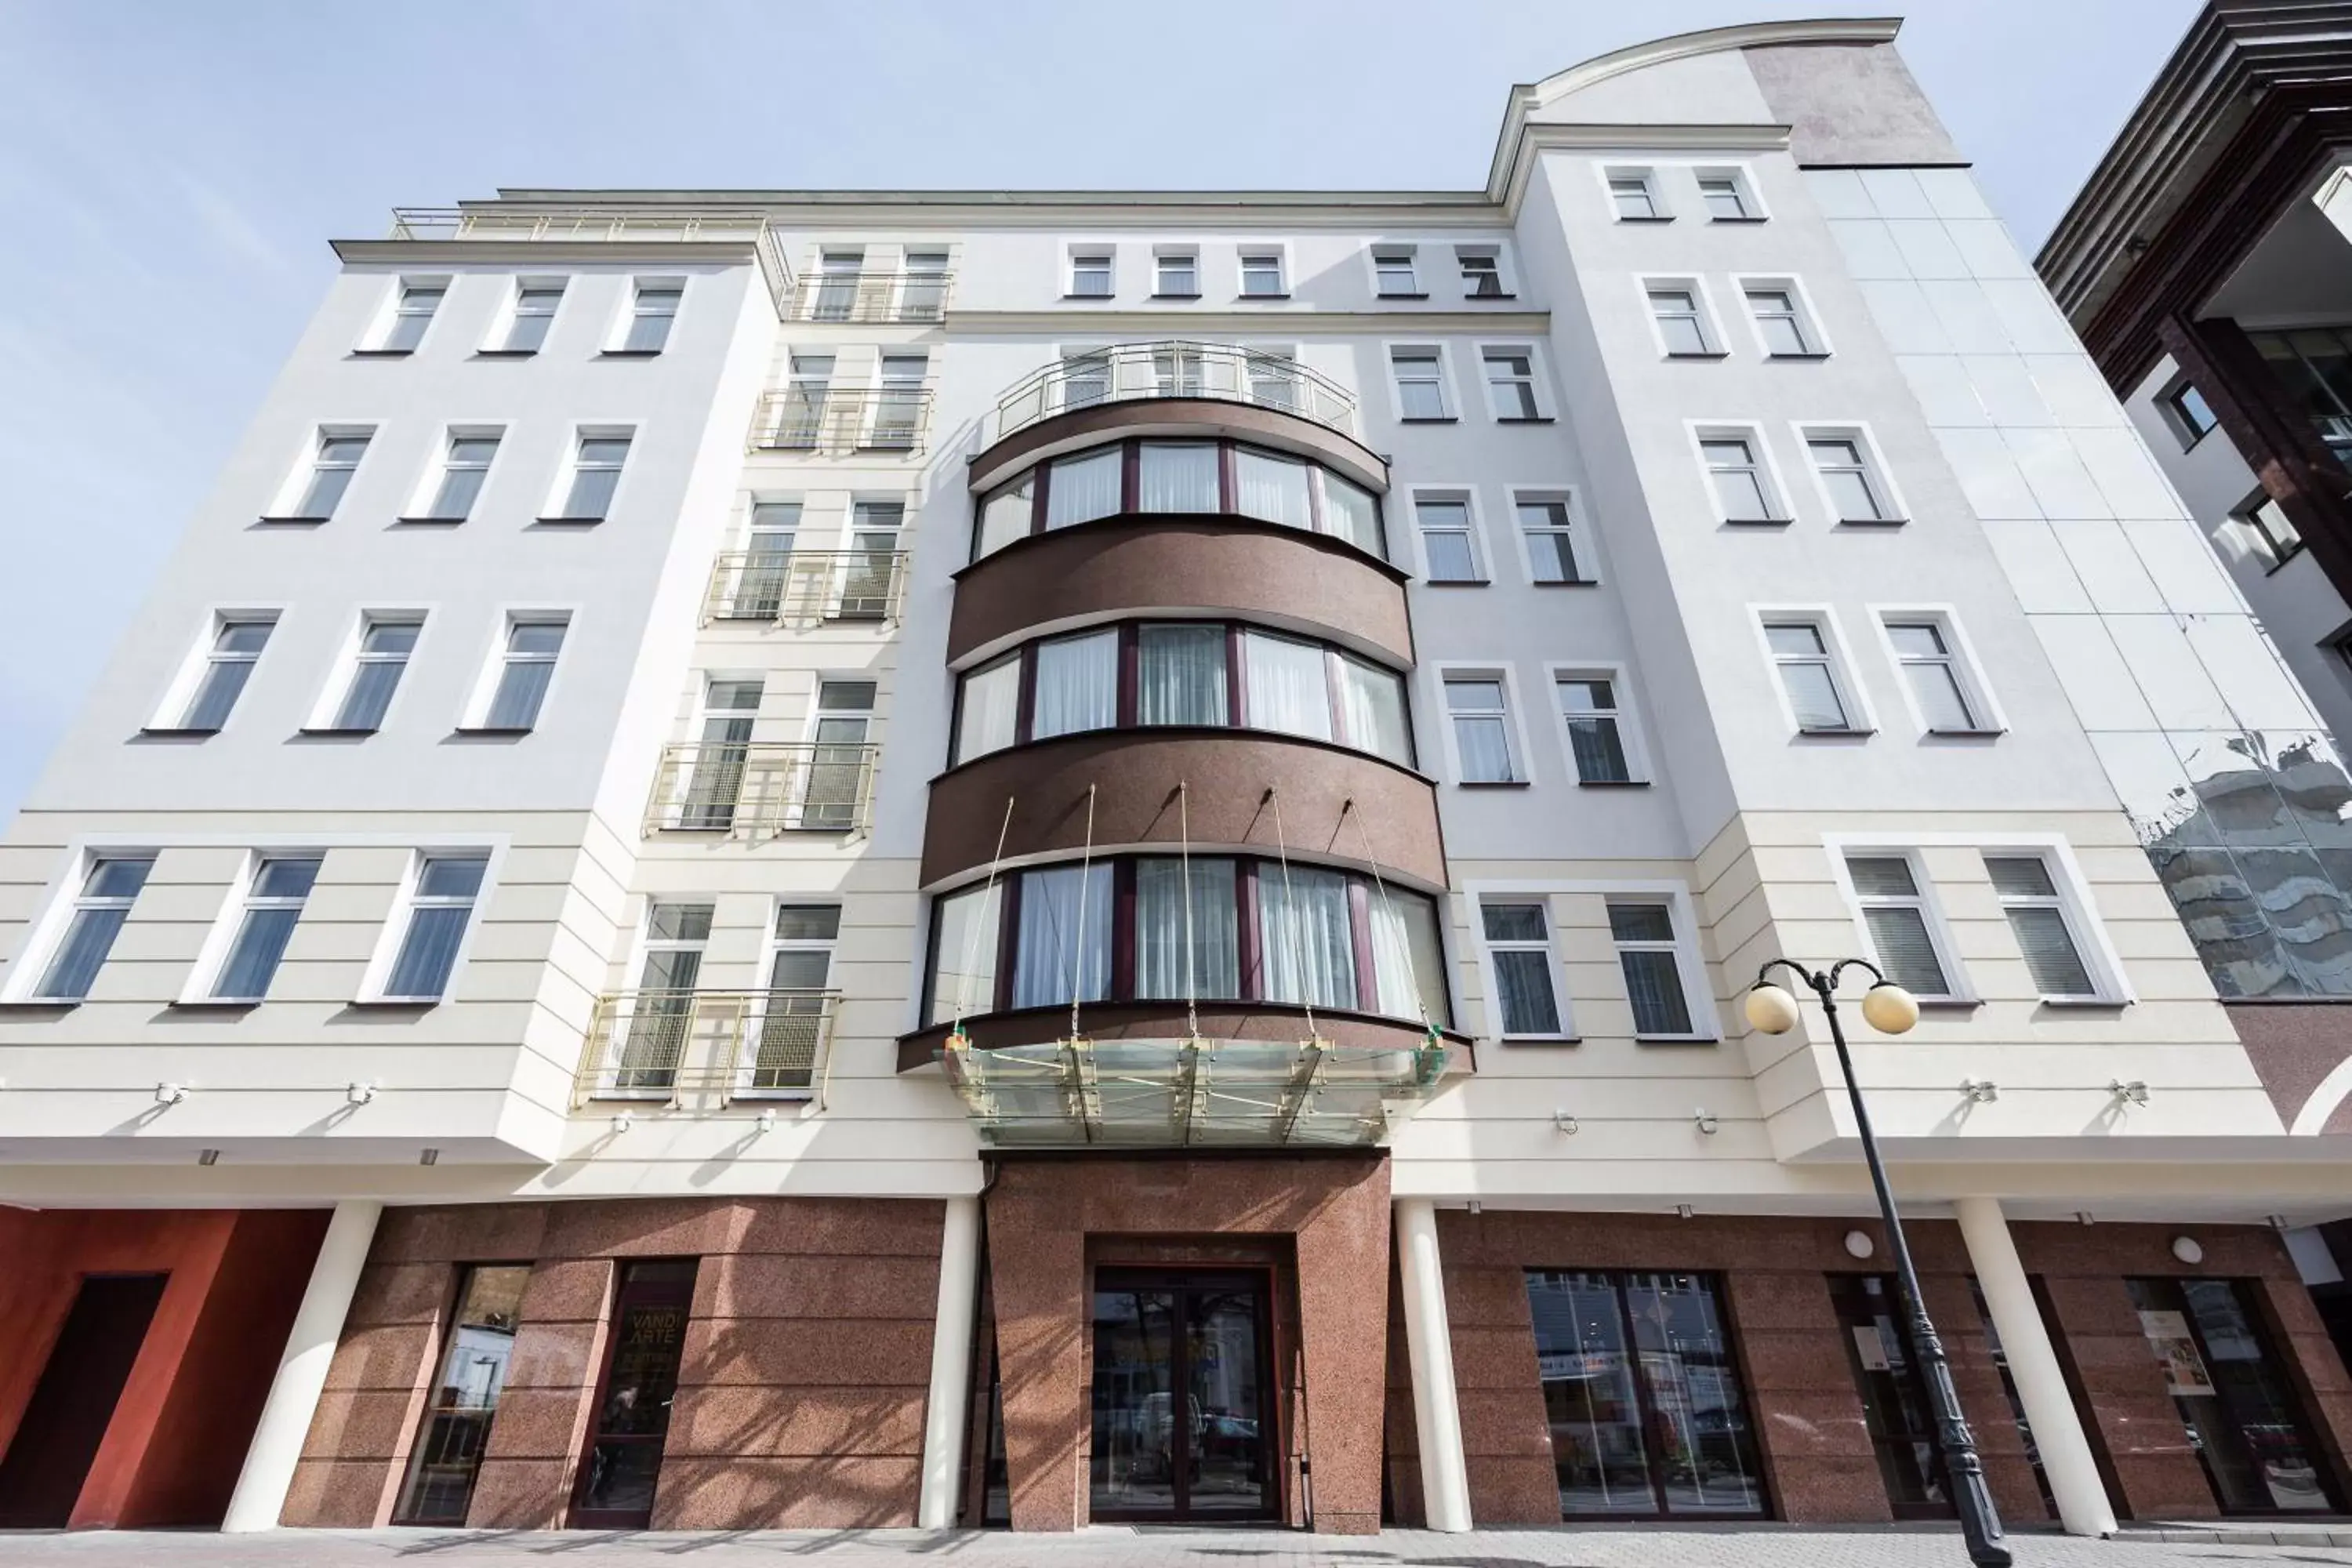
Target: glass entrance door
[[1182, 1429], [633, 1399], [1894, 1397], [2243, 1417]]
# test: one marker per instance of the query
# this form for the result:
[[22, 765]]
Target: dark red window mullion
[[1008, 926], [1037, 498], [1122, 930], [1359, 930], [1315, 497], [1246, 929], [1130, 477], [1130, 687], [1331, 700], [1381, 524], [1025, 708], [1236, 695], [1228, 481]]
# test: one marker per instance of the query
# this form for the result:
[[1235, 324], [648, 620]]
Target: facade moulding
[[1195, 417]]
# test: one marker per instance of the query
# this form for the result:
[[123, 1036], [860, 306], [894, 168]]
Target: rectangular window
[[1682, 326], [1589, 704], [923, 294], [382, 657], [534, 313], [464, 467], [1285, 687], [964, 941], [1393, 272], [1180, 675], [1262, 274], [1544, 525], [1349, 512], [1307, 943], [108, 891], [898, 402], [2037, 919], [1090, 275], [1176, 274], [1480, 712], [1896, 1411], [1077, 685], [1856, 491], [1482, 274], [2265, 524], [1519, 940], [1809, 676], [834, 789], [1895, 912], [1651, 962], [789, 1029], [1371, 710], [1419, 384], [410, 316], [447, 1454], [1636, 198], [1274, 380], [237, 642], [1173, 477], [438, 913], [1933, 671], [1511, 384], [1643, 1393], [332, 467], [1725, 195], [651, 313], [1781, 323], [1081, 490], [1445, 538], [1742, 489], [1007, 515], [808, 392], [525, 669], [1062, 943], [272, 906], [595, 475], [1275, 490], [988, 719], [1187, 940], [2185, 410]]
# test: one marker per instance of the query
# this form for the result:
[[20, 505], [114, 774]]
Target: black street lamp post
[[1890, 1008]]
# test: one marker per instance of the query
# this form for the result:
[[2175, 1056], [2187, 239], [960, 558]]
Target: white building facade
[[787, 858]]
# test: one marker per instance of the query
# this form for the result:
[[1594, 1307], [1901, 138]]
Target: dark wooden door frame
[[663, 1292], [1183, 1283]]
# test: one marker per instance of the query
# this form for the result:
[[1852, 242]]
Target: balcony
[[704, 1049], [501, 224], [807, 588], [1217, 373], [873, 296], [839, 421], [752, 789]]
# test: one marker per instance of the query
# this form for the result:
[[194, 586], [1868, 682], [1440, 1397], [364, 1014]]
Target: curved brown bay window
[[1177, 478], [1170, 928], [1181, 674]]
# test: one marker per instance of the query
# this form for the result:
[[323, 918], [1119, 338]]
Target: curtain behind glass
[[1271, 488], [1408, 975], [1083, 488], [1348, 512], [1178, 477], [964, 960], [1077, 685], [991, 708], [1159, 967], [1056, 934], [1372, 701], [1310, 955], [1283, 682], [1006, 515], [1180, 676]]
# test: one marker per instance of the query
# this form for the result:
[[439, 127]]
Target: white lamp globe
[[1890, 1009], [1771, 1009]]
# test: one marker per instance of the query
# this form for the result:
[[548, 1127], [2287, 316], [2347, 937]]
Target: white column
[[943, 1422], [1444, 1478], [2058, 1436], [302, 1370]]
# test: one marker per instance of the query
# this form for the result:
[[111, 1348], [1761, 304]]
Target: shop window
[[447, 1456], [630, 1418], [1894, 1406]]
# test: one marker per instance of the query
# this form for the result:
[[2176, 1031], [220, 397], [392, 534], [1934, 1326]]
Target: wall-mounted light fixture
[[1858, 1244], [170, 1093], [2130, 1090], [360, 1093], [1705, 1124], [2187, 1249], [1981, 1091]]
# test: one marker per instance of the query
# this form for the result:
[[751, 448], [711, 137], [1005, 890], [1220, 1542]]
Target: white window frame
[[1959, 988], [2245, 519], [1583, 542], [1448, 400], [746, 1064], [616, 342], [1480, 560], [437, 466], [1631, 735], [173, 711], [1507, 275], [476, 710], [228, 920], [1710, 327], [1490, 976], [1690, 959], [1411, 251], [1163, 254], [1690, 962], [345, 670], [1959, 649], [404, 908], [388, 313], [1243, 253], [1072, 250], [1768, 469], [1875, 473], [1608, 173], [1862, 721], [561, 494], [498, 343], [1538, 382], [59, 902], [1751, 200], [1514, 714], [307, 463], [1800, 298]]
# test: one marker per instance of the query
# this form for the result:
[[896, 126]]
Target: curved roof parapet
[[1706, 41]]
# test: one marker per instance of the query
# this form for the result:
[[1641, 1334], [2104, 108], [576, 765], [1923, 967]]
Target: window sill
[[1249, 297], [506, 353], [173, 732], [1757, 521], [1812, 353], [1431, 419], [1091, 298], [1654, 217], [494, 729], [1525, 419], [2281, 563], [292, 522], [1542, 1039], [1612, 784], [1512, 296], [568, 522], [1565, 583], [41, 1003], [1950, 1004], [630, 353], [215, 1004], [1457, 583], [1400, 296], [1703, 353], [1744, 217], [1191, 296], [396, 1003], [1986, 734], [1854, 734], [382, 353], [1495, 784], [1867, 522], [2109, 1003], [433, 522], [1677, 1040], [771, 1096], [336, 730]]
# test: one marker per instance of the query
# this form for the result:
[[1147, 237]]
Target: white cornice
[[1536, 136], [410, 252]]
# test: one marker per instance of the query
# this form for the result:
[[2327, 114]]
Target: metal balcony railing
[[872, 297], [834, 420], [807, 588], [1216, 371], [604, 225], [710, 1046], [758, 789]]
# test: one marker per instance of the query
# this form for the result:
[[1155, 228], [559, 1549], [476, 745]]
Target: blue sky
[[172, 173]]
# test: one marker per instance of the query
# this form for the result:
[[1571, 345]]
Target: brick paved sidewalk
[[1746, 1546]]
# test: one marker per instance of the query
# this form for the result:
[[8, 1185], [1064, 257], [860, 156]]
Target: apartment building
[[830, 858]]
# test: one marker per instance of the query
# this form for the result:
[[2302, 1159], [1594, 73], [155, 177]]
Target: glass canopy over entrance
[[1234, 1093]]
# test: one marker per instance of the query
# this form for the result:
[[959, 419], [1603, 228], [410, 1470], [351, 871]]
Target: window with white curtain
[[651, 314], [464, 466], [1407, 962], [1177, 477], [1419, 384], [1780, 322], [1373, 710], [1895, 912], [1858, 492], [1349, 512], [1518, 945], [991, 709], [1062, 947], [1006, 515], [273, 903], [336, 460], [1447, 544], [1393, 270], [964, 938], [535, 304], [1306, 940], [1591, 706], [1180, 674], [385, 643], [109, 888], [1479, 708], [1077, 685], [1080, 489], [236, 645], [1924, 652], [1285, 688], [1682, 325], [1651, 960], [1742, 489], [439, 911], [2037, 919], [1174, 959], [1272, 487], [1809, 677]]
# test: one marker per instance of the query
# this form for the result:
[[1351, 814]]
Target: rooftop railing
[[759, 789], [603, 226], [708, 1047], [807, 588], [1219, 372], [872, 297], [837, 420]]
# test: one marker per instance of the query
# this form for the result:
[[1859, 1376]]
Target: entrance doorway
[[1183, 1413], [64, 1421], [1894, 1394], [633, 1397]]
